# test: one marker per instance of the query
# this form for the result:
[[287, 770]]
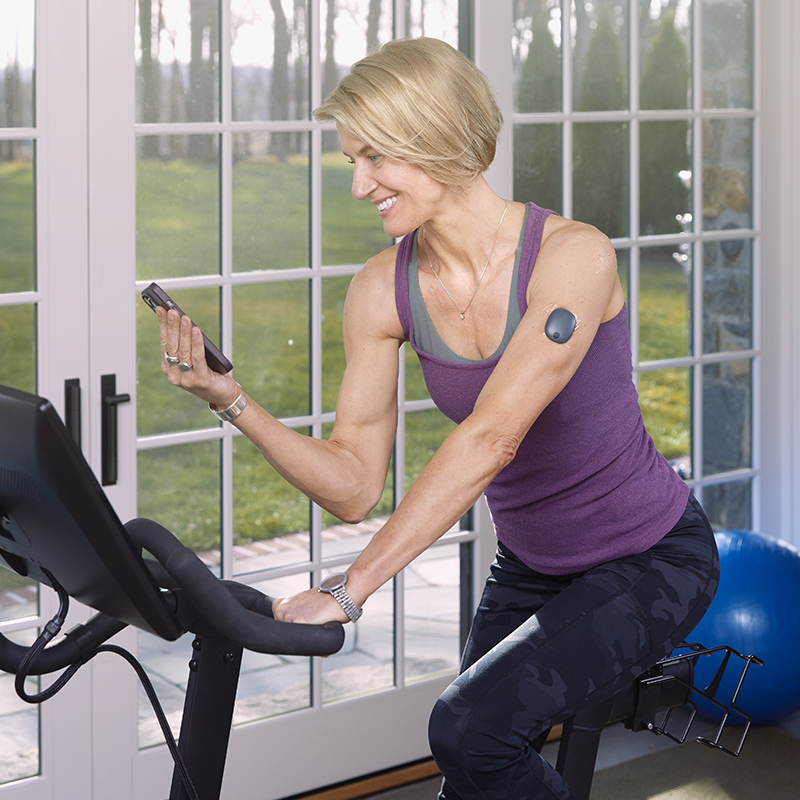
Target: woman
[[604, 561]]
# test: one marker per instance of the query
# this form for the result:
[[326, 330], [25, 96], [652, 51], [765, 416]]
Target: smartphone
[[155, 296]]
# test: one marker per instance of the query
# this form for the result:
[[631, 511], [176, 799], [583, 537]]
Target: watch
[[334, 585]]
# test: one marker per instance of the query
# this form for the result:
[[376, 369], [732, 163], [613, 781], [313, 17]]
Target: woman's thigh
[[591, 638]]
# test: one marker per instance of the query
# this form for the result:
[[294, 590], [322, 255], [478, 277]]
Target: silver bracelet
[[233, 410]]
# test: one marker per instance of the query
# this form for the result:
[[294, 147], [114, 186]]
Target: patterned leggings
[[544, 647]]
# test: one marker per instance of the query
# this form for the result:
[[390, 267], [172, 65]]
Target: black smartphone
[[155, 296]]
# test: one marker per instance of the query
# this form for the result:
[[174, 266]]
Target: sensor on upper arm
[[560, 325]]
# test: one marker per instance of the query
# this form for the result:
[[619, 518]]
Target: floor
[[617, 745]]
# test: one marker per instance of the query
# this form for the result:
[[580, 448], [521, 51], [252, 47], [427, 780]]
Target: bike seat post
[[577, 751]]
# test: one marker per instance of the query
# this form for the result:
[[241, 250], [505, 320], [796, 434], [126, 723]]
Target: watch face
[[334, 581]]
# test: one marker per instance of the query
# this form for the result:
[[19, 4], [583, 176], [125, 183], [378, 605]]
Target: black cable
[[50, 631], [160, 715]]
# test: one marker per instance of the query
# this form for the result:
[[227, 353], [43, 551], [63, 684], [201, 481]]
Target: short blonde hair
[[423, 102]]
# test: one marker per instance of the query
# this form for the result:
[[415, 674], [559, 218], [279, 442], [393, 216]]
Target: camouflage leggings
[[560, 644]]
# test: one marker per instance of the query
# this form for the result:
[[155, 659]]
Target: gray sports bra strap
[[426, 337]]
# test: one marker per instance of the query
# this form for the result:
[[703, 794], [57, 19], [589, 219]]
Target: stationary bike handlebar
[[240, 612], [201, 602]]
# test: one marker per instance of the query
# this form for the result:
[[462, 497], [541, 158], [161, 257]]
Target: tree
[[279, 97], [537, 148], [600, 148], [664, 145], [201, 100]]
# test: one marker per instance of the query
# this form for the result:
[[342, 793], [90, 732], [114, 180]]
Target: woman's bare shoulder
[[371, 296]]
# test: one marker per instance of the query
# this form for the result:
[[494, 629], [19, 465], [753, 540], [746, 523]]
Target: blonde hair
[[422, 102]]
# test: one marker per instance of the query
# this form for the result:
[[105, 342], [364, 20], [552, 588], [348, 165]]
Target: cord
[[50, 631]]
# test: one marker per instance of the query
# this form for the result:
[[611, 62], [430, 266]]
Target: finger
[[185, 340], [198, 349], [172, 321]]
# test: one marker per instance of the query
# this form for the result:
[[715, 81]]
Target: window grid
[[637, 242], [228, 279]]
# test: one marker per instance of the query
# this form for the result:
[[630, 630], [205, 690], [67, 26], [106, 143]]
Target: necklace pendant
[[461, 315]]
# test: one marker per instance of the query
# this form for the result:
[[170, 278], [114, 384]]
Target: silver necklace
[[461, 313]]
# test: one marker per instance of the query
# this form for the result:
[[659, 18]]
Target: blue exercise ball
[[756, 611]]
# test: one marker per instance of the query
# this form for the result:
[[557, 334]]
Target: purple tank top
[[587, 484]]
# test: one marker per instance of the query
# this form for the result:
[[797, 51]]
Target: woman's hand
[[312, 607], [183, 341]]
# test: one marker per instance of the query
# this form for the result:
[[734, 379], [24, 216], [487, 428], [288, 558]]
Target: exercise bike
[[58, 528]]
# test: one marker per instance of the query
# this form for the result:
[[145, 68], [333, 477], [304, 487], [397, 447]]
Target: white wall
[[779, 418]]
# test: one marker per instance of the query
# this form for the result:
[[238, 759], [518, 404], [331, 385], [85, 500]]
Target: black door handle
[[109, 402], [72, 408]]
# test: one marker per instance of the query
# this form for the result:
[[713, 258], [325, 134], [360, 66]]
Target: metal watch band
[[233, 410], [346, 602]]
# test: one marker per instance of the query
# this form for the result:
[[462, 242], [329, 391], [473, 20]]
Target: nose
[[363, 183]]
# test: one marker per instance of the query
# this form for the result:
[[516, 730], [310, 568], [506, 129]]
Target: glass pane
[[600, 55], [665, 401], [269, 60], [17, 217], [19, 723], [415, 381], [537, 56], [600, 178], [334, 291], [729, 505], [538, 154], [664, 304], [179, 489], [18, 335], [352, 232], [727, 416], [435, 18], [728, 54], [727, 174], [727, 295], [425, 431], [17, 63], [271, 345], [349, 32], [271, 685], [161, 407], [271, 519], [19, 596], [624, 272], [177, 61], [432, 613], [270, 201], [665, 176], [666, 71], [166, 665], [177, 206], [365, 664]]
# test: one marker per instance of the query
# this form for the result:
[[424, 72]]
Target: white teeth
[[387, 203]]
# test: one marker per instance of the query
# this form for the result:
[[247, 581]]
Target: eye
[[375, 158]]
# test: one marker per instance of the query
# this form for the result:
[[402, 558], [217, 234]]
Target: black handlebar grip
[[252, 627]]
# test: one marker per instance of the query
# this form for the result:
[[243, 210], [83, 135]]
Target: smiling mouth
[[385, 205]]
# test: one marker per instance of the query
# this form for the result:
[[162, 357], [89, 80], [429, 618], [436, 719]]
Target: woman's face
[[404, 195]]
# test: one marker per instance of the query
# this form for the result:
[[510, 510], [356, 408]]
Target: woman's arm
[[346, 473], [576, 270]]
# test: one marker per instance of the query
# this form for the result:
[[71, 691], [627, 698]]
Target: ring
[[184, 367], [171, 360]]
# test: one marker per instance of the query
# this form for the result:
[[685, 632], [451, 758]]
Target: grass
[[178, 235]]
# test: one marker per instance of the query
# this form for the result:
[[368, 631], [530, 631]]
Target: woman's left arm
[[575, 270]]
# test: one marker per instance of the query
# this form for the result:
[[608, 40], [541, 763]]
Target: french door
[[172, 141]]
